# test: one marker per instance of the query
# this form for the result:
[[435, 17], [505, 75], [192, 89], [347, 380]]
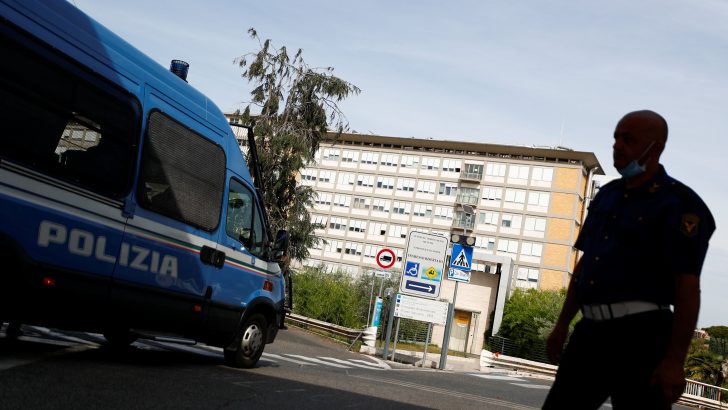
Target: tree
[[718, 340], [297, 106], [528, 318]]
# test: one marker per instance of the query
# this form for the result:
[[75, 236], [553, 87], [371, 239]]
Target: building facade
[[523, 205]]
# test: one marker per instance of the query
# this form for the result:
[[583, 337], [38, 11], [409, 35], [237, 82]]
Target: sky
[[529, 72]]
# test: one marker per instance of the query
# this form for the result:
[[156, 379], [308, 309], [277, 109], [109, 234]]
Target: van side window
[[244, 222], [182, 173], [61, 121]]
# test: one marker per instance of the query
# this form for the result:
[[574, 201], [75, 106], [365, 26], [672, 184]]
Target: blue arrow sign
[[462, 257], [420, 287]]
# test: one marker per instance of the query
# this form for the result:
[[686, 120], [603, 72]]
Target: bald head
[[650, 122]]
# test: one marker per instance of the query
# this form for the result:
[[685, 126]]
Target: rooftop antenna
[[561, 133]]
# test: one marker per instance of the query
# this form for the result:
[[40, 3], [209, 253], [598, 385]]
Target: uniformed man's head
[[639, 136]]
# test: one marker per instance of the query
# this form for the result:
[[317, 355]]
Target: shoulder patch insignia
[[689, 224]]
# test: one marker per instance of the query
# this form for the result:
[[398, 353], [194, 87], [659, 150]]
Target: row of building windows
[[470, 170], [537, 201], [383, 230]]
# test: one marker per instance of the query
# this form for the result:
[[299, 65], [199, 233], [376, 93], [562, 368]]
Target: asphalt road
[[51, 369]]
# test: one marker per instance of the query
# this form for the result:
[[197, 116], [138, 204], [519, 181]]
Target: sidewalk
[[405, 359]]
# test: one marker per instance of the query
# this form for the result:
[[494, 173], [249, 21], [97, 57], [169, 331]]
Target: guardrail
[[696, 393], [336, 332]]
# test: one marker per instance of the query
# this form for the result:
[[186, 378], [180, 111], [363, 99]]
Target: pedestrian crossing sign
[[462, 257]]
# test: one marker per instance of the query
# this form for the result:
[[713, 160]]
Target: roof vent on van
[[179, 68]]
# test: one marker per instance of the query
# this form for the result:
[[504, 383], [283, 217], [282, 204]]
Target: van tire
[[119, 338], [250, 343]]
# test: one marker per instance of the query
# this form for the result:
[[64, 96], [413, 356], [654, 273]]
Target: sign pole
[[427, 344], [396, 337], [389, 334], [446, 338]]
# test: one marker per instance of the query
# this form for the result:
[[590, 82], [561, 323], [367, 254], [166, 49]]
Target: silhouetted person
[[644, 242]]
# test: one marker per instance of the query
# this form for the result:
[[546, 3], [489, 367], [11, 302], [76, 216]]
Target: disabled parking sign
[[412, 269]]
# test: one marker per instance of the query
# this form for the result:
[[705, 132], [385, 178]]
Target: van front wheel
[[251, 343]]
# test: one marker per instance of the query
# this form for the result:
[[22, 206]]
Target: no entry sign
[[385, 258]]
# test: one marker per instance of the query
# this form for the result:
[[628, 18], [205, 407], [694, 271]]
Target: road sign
[[462, 257], [458, 275], [385, 258], [382, 274], [425, 310], [424, 265]]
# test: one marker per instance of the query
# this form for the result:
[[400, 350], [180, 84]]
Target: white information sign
[[424, 265], [425, 310]]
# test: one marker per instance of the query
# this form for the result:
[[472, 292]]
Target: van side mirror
[[280, 246]]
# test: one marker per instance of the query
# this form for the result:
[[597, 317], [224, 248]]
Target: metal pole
[[446, 339], [396, 337], [371, 295], [381, 287], [389, 333], [427, 343]]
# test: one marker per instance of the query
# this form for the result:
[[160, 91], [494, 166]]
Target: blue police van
[[126, 206]]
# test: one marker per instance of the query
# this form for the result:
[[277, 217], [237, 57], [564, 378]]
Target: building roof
[[546, 154]]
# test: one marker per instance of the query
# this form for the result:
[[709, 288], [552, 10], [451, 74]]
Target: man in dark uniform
[[644, 242]]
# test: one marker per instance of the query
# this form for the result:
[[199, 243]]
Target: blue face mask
[[634, 168]]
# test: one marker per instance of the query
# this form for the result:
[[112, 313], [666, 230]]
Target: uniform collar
[[653, 185]]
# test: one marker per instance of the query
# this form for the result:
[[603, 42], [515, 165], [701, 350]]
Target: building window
[[349, 156], [333, 246], [402, 208], [381, 205], [319, 220], [337, 224], [518, 172], [508, 245], [527, 278], [539, 198], [542, 174], [356, 225], [370, 251], [342, 200], [331, 154], [377, 229], [385, 183], [485, 242], [327, 176], [488, 218], [511, 221], [451, 165], [365, 180], [535, 224], [369, 158], [495, 169], [444, 212], [515, 196], [353, 248], [424, 210], [473, 171], [430, 163], [389, 160], [531, 249], [426, 187], [323, 198], [409, 161], [346, 178], [491, 193], [308, 174], [361, 203], [398, 231], [448, 189], [406, 184]]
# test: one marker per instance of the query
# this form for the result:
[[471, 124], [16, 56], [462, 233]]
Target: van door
[[243, 239], [169, 246]]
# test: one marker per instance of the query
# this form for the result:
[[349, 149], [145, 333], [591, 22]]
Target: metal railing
[[473, 176], [704, 395], [336, 332]]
